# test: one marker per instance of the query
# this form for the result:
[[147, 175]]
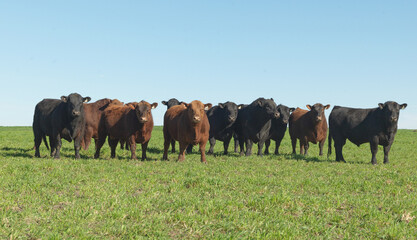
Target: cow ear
[[272, 99], [327, 106], [308, 106], [164, 102], [240, 106], [207, 106], [186, 105], [86, 99], [131, 106], [64, 98], [221, 105], [154, 105], [404, 105], [292, 109], [260, 103], [381, 105]]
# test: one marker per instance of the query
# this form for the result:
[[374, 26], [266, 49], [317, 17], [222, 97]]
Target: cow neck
[[387, 128]]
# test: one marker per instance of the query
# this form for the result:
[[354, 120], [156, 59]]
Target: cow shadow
[[16, 152], [299, 157]]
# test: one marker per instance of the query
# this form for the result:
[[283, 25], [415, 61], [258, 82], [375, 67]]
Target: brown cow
[[93, 113], [130, 123], [187, 124], [308, 126]]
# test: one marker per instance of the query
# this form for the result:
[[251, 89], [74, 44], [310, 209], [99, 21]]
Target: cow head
[[284, 113], [171, 102], [318, 111], [143, 110], [74, 103], [391, 111], [268, 106], [196, 110], [229, 110]]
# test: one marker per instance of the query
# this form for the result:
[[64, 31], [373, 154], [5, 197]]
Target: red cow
[[130, 123], [308, 126], [93, 113], [187, 124]]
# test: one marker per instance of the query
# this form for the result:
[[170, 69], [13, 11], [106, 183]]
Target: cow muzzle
[[196, 119], [143, 119], [285, 121], [76, 113], [231, 119], [394, 119]]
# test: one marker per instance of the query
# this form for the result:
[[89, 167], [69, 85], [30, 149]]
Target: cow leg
[[52, 145], [374, 149], [212, 141], [321, 144], [203, 151], [113, 145], [132, 144], [306, 146], [277, 144], [386, 152], [38, 141], [58, 144], [144, 148], [167, 141], [241, 145], [181, 155], [226, 144], [172, 145], [260, 147], [99, 144], [301, 146], [248, 147], [77, 147], [236, 140], [267, 143], [338, 145], [294, 144]]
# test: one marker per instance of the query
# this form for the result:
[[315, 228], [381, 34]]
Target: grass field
[[272, 197]]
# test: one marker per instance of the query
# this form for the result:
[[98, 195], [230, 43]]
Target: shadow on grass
[[16, 152]]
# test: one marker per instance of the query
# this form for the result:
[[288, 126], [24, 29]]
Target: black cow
[[59, 119], [377, 126], [221, 118], [278, 128], [170, 103], [253, 124], [235, 136]]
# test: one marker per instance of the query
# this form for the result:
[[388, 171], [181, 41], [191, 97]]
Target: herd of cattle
[[74, 119]]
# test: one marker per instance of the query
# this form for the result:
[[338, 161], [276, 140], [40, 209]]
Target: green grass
[[273, 197]]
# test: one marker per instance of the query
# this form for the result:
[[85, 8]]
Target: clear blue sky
[[349, 53]]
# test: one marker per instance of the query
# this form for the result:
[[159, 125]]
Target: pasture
[[273, 197]]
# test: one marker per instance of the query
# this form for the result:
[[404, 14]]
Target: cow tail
[[46, 142], [329, 150]]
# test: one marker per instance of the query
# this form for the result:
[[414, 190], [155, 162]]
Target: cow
[[93, 113], [222, 118], [308, 126], [235, 137], [377, 126], [59, 119], [278, 128], [253, 124], [170, 103], [131, 123], [187, 124]]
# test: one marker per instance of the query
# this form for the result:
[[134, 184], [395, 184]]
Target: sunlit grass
[[273, 197]]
